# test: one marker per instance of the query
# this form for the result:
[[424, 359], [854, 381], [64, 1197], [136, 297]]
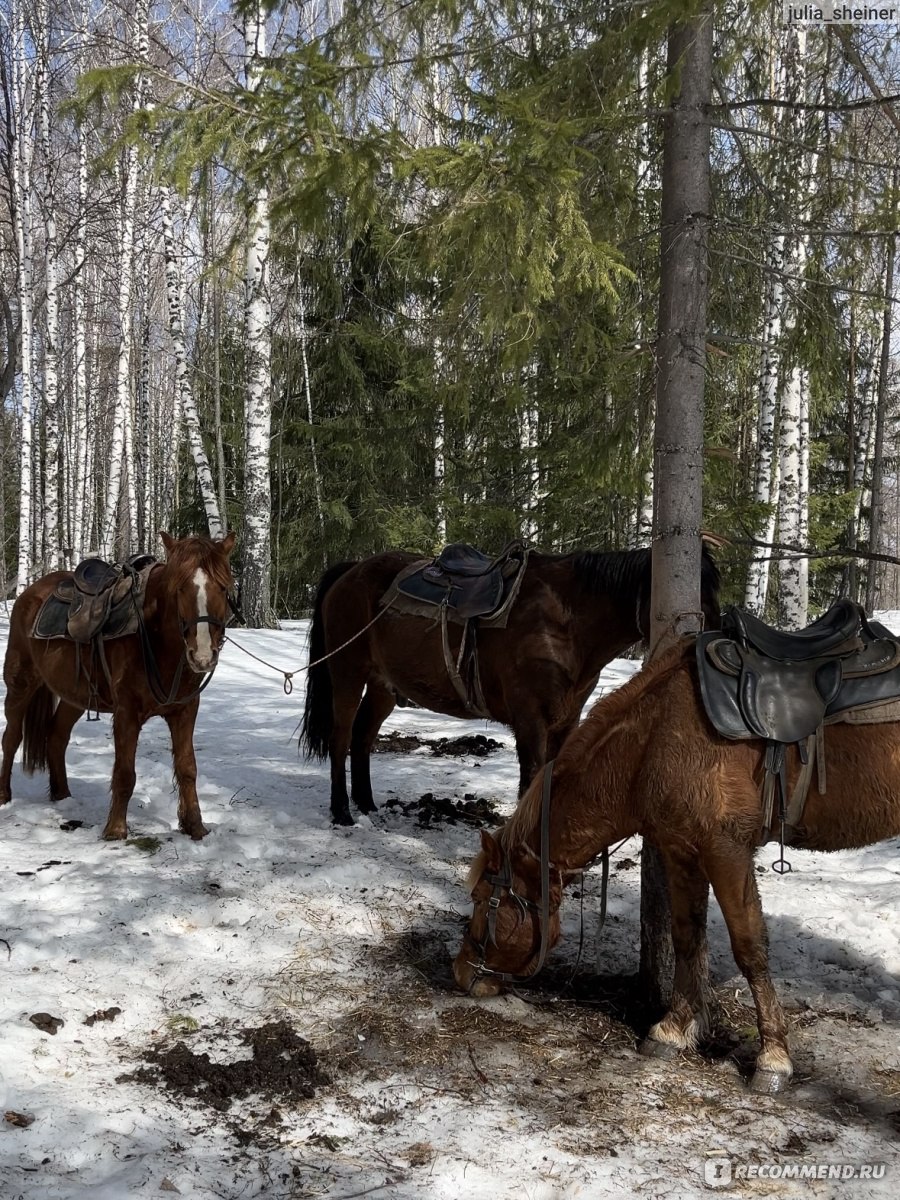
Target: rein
[[502, 882]]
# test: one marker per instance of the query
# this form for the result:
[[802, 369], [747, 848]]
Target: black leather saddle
[[760, 682], [757, 681], [465, 580]]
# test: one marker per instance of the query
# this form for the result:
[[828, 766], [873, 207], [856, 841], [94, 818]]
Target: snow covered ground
[[347, 934]]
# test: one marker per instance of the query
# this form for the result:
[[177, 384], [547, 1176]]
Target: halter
[[502, 882]]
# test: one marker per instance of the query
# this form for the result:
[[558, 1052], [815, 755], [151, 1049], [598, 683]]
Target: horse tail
[[36, 728], [318, 714]]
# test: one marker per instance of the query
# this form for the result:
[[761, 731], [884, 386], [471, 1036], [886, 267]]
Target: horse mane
[[602, 721], [625, 575], [192, 552]]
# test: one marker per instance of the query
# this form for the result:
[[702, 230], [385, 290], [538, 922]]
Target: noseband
[[502, 882]]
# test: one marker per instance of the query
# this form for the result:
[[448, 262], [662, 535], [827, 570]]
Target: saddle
[[466, 581], [99, 600], [760, 682], [465, 586]]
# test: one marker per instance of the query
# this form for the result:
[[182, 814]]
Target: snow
[[277, 914]]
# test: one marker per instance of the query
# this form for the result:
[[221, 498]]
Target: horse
[[647, 761], [185, 612], [573, 615]]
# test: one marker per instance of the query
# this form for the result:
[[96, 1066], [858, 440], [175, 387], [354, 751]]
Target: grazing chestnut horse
[[573, 615], [186, 609], [647, 760]]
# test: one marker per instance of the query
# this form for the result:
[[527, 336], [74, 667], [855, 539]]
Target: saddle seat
[[836, 632], [464, 580]]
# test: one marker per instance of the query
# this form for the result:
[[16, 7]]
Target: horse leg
[[57, 740], [126, 728], [181, 727], [19, 690], [531, 748], [377, 705], [734, 883], [346, 699], [688, 1017]]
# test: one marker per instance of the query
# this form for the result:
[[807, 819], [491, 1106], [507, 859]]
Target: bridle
[[151, 667], [502, 881]]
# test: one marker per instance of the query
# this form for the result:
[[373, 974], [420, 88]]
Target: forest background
[[348, 275]]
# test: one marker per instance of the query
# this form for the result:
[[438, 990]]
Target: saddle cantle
[[760, 682], [98, 599], [465, 586]]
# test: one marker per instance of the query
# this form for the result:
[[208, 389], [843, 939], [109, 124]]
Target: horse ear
[[167, 540], [491, 849], [228, 541]]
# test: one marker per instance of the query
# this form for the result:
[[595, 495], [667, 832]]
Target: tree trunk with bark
[[678, 436]]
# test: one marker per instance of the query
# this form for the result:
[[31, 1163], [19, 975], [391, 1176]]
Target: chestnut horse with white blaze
[[186, 609], [648, 761]]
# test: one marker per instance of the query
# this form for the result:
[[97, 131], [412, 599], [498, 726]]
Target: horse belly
[[409, 659]]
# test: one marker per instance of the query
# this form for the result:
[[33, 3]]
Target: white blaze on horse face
[[203, 654]]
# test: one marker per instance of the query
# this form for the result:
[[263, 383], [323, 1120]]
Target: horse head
[[515, 918], [200, 577]]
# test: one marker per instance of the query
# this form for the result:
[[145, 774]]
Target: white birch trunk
[[317, 482], [182, 379], [121, 460], [791, 612], [257, 555], [767, 469], [51, 302], [21, 161]]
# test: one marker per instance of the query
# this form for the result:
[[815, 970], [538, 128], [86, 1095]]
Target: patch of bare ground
[[564, 1055]]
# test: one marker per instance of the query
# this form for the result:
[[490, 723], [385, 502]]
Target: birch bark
[[22, 156], [51, 300], [182, 379], [121, 460], [257, 555]]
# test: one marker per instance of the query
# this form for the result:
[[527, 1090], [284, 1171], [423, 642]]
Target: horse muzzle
[[201, 664], [471, 980]]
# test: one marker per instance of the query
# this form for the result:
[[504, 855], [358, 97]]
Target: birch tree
[[256, 547]]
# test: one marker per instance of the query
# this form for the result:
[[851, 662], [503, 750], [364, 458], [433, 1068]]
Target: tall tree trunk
[[182, 379], [51, 301], [256, 547], [678, 435], [121, 460], [877, 504], [22, 156]]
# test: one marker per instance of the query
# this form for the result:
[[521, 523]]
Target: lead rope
[[289, 675]]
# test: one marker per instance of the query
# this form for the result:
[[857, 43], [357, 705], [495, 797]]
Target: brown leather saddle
[[98, 600], [761, 682]]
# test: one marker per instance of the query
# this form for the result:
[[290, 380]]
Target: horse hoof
[[114, 834], [769, 1083], [198, 834], [665, 1051], [367, 809], [341, 818]]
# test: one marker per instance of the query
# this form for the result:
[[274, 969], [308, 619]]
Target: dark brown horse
[[647, 760], [186, 608], [573, 615]]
